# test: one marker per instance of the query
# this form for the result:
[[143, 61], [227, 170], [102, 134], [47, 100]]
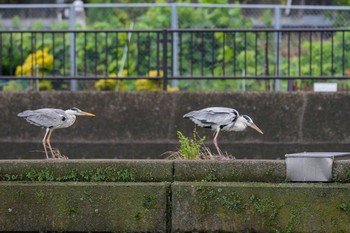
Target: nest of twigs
[[57, 154]]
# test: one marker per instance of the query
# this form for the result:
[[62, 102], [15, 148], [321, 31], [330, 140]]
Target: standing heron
[[221, 119], [51, 119]]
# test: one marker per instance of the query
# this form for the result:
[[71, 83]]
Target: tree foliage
[[101, 54]]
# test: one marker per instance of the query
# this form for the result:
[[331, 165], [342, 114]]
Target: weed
[[72, 211], [344, 206], [190, 148], [42, 175], [149, 201], [232, 201], [138, 216], [40, 195], [19, 194], [194, 149], [210, 177]]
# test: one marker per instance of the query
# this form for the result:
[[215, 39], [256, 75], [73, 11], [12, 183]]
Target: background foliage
[[109, 64]]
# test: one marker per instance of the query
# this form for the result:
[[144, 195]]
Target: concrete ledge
[[169, 196], [102, 207], [341, 171], [270, 171], [231, 170], [87, 170], [260, 207]]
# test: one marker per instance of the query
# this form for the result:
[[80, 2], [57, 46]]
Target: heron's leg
[[49, 144], [55, 153], [44, 142], [216, 141]]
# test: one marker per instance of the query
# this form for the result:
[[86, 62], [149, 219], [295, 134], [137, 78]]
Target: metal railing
[[279, 16], [183, 54]]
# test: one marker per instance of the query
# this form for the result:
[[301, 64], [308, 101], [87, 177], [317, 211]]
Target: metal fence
[[228, 54], [174, 15], [279, 42]]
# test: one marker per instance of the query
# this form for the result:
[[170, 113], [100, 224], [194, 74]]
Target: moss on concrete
[[163, 195], [126, 207], [341, 171], [230, 171], [87, 170], [260, 207], [142, 170]]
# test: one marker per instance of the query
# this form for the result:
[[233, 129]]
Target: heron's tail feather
[[189, 115], [24, 114]]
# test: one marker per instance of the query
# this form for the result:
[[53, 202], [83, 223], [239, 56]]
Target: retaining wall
[[168, 196], [142, 125]]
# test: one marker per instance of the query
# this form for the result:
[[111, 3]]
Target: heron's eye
[[74, 109], [247, 118]]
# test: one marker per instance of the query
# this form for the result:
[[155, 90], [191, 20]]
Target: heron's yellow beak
[[255, 127], [87, 114]]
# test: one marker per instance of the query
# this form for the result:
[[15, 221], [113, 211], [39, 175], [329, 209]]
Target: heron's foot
[[57, 154]]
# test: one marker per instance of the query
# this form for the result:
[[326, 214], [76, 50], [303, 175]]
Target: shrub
[[111, 84], [37, 64], [153, 85], [190, 148]]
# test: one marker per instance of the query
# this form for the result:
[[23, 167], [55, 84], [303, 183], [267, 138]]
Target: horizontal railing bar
[[197, 5], [174, 77], [9, 78], [261, 77], [31, 6], [184, 30], [262, 30], [79, 31]]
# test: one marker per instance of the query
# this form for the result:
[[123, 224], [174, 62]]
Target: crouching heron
[[51, 119], [221, 119]]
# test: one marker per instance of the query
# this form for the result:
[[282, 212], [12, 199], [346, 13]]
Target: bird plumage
[[52, 118], [213, 117], [48, 118], [221, 119]]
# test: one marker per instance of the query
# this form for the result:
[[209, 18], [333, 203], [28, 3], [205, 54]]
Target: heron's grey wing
[[45, 117], [213, 116]]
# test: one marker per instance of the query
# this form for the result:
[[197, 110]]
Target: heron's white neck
[[71, 117], [240, 124]]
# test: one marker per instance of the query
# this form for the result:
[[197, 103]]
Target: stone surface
[[99, 207], [144, 124], [87, 170], [260, 207], [341, 171], [326, 118], [168, 196], [232, 170]]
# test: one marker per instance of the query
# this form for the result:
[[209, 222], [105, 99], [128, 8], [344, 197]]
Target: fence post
[[174, 25], [278, 53], [165, 59], [73, 82]]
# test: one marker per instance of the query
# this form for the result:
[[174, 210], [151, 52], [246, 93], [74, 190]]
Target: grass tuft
[[194, 149]]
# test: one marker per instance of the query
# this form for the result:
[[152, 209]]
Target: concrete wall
[[168, 196], [144, 125]]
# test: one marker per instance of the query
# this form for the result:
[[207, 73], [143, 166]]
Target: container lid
[[318, 155]]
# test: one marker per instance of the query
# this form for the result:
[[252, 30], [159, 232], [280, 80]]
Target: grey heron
[[51, 119], [221, 119]]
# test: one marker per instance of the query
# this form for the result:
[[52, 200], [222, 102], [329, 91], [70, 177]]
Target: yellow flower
[[111, 84], [155, 73], [172, 89], [41, 59], [153, 85], [146, 85]]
